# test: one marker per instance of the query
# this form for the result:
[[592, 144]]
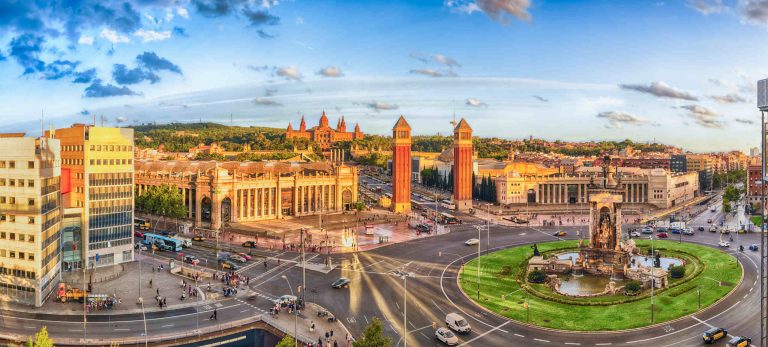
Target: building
[[703, 164], [323, 135], [647, 163], [462, 166], [754, 152], [97, 177], [678, 163], [755, 185], [30, 218], [649, 187], [222, 192], [401, 166]]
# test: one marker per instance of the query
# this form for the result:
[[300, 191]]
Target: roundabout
[[504, 289]]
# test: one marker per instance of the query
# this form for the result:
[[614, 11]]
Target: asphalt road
[[376, 292]]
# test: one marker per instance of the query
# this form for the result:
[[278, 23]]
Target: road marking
[[486, 333], [366, 319], [75, 330], [604, 344], [518, 335], [703, 322], [122, 329], [745, 296], [167, 326], [540, 340], [243, 311], [573, 343], [28, 327]]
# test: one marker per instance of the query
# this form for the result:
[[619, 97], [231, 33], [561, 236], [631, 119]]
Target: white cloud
[[168, 14], [151, 35], [289, 72], [85, 40], [448, 61], [703, 116], [617, 119], [707, 7], [661, 90], [475, 103], [113, 36], [121, 119], [498, 10], [330, 71], [434, 73], [299, 20], [182, 12]]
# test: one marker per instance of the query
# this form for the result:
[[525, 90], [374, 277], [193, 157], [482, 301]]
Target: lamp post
[[479, 229], [488, 228], [653, 268], [405, 307], [295, 316]]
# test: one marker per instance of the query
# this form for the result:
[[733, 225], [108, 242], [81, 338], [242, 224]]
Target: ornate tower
[[462, 166], [401, 166], [358, 132], [289, 131], [342, 125], [303, 125], [323, 121]]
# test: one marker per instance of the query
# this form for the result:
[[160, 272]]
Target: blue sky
[[679, 72]]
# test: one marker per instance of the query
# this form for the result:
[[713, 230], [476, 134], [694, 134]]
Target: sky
[[677, 72]]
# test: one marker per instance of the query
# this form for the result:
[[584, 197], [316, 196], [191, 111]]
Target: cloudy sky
[[678, 72]]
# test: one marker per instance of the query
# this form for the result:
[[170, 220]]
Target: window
[[2, 199], [2, 219], [31, 238], [12, 200], [30, 183], [12, 236], [11, 164], [12, 254], [21, 255], [31, 220], [31, 256], [3, 236], [2, 182], [30, 164], [12, 219], [22, 237], [11, 182], [31, 202], [92, 161], [2, 164], [21, 183]]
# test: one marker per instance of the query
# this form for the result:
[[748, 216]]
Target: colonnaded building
[[221, 192], [323, 135]]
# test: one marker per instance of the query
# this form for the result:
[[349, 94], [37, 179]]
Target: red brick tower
[[462, 166], [401, 167]]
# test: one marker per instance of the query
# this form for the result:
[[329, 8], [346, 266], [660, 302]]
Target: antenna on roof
[[42, 121]]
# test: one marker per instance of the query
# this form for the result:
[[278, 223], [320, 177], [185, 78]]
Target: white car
[[446, 336], [472, 242], [635, 234], [724, 244], [285, 299]]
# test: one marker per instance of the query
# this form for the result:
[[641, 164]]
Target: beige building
[[221, 192], [656, 187], [97, 170], [30, 218]]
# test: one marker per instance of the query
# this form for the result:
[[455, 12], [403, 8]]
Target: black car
[[422, 228], [341, 283], [250, 244], [701, 228]]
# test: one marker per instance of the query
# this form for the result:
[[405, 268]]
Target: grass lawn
[[756, 220], [669, 304]]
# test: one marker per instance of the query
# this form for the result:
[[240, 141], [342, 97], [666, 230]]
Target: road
[[433, 292]]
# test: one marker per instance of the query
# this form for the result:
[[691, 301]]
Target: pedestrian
[[150, 283], [265, 264], [213, 316], [158, 291], [165, 302], [312, 326], [331, 332], [335, 344]]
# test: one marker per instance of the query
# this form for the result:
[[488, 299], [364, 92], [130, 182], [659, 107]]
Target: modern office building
[[703, 164], [30, 218], [678, 163], [97, 176]]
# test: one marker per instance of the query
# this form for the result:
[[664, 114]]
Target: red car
[[138, 234], [662, 235]]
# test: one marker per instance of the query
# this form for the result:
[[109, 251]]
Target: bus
[[141, 224], [448, 218], [163, 242], [447, 204]]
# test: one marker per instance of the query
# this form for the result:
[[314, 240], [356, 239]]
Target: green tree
[[537, 276], [373, 336], [41, 339], [633, 287], [726, 204], [162, 201], [677, 271], [287, 341]]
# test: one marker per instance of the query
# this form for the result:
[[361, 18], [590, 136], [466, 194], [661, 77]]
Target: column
[[240, 205], [279, 199], [270, 204], [295, 200], [189, 203], [248, 204], [263, 201]]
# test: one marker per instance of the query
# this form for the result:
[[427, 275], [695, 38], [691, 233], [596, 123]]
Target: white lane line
[[167, 326], [243, 311], [518, 335], [485, 333], [604, 344], [745, 296], [540, 340], [121, 329], [573, 343], [703, 322]]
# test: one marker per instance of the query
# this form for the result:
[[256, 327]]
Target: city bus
[[447, 204], [163, 242], [448, 218], [141, 224]]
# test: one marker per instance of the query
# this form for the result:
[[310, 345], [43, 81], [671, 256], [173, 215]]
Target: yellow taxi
[[714, 334], [198, 238], [739, 341]]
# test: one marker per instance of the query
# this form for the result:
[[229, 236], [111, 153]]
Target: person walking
[[213, 316]]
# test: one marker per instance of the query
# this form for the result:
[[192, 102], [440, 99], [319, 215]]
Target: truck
[[186, 242], [67, 293]]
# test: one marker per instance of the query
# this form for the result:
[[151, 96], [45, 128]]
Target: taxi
[[714, 334], [739, 341]]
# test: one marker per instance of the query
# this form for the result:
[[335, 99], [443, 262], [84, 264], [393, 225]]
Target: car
[[198, 238], [635, 234], [191, 259], [138, 234], [457, 323], [687, 231], [662, 235], [714, 334], [661, 229], [701, 228], [647, 231], [560, 233], [724, 244], [340, 283], [725, 230], [675, 230], [229, 265], [471, 242], [285, 299], [245, 256], [249, 244], [446, 336], [140, 246], [237, 258], [739, 341], [712, 229], [423, 228], [753, 247]]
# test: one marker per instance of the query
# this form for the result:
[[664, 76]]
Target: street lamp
[[479, 229], [653, 278], [405, 306], [295, 315]]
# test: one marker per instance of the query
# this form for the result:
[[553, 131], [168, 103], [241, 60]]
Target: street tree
[[287, 341], [373, 336], [41, 339], [162, 201]]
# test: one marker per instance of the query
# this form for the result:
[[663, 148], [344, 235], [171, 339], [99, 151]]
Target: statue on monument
[[535, 250]]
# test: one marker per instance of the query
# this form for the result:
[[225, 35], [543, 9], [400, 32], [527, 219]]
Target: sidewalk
[[303, 325]]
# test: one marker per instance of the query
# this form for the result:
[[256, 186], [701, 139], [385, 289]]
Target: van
[[714, 334], [457, 323], [185, 242]]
